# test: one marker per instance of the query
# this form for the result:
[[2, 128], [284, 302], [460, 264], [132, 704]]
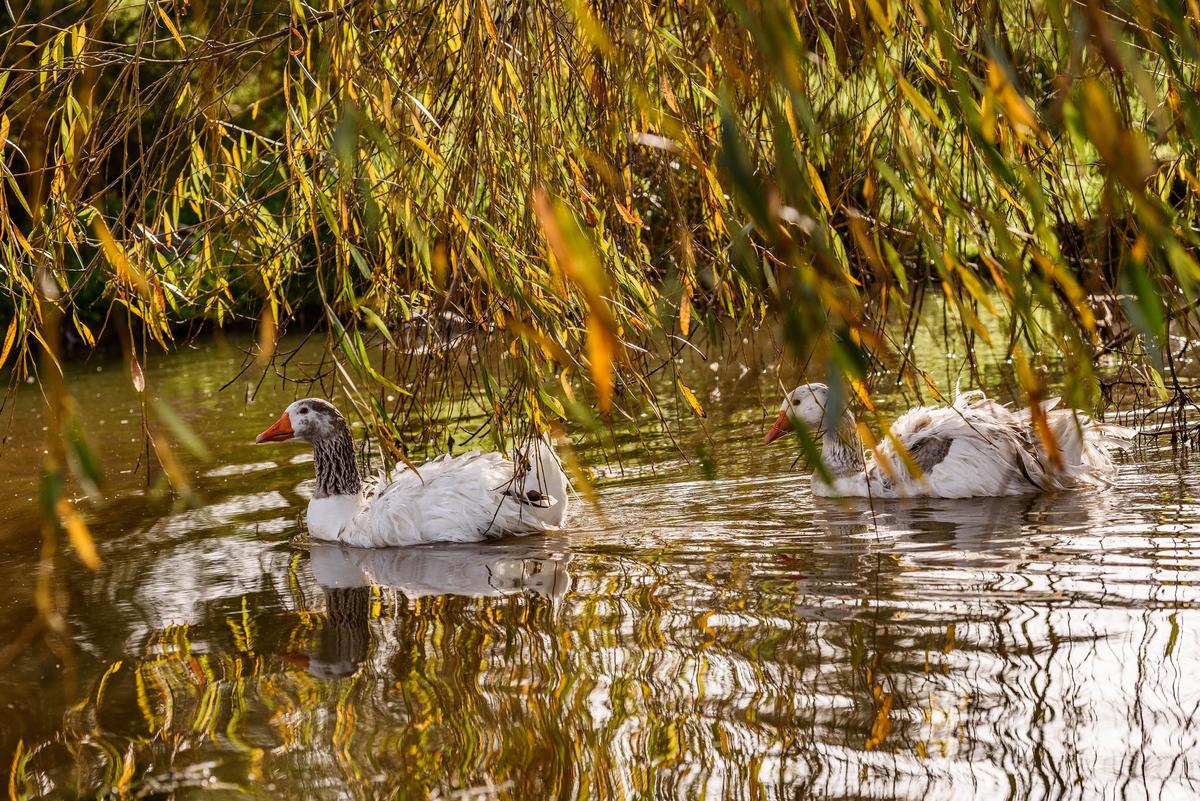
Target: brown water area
[[709, 630]]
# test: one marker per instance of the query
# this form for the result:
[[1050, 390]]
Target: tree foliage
[[540, 194]]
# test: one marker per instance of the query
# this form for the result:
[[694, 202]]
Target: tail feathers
[[1085, 446], [1047, 406], [1115, 436], [966, 399]]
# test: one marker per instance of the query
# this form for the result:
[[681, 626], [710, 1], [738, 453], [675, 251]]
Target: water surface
[[692, 637]]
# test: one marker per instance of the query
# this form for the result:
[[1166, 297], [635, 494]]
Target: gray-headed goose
[[974, 448], [467, 498]]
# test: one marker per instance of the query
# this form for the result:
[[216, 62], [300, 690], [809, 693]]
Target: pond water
[[727, 637]]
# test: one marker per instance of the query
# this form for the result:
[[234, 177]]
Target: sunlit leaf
[[136, 374], [162, 13], [10, 336], [79, 534], [690, 397]]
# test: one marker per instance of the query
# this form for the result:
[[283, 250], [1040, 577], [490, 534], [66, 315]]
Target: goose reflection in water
[[969, 524], [946, 546], [348, 577]]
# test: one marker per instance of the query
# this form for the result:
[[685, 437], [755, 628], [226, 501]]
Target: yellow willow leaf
[[10, 337], [1008, 196], [170, 26], [1140, 250], [930, 74], [1019, 112], [433, 156], [690, 397], [18, 761], [574, 253], [1100, 119], [126, 273], [929, 382], [919, 102], [1020, 115], [1186, 173], [576, 257], [987, 116], [880, 17], [969, 281], [1041, 424], [129, 763], [25, 246], [78, 533], [553, 403], [601, 351], [627, 215], [487, 20], [1025, 374], [906, 458], [514, 80], [669, 94], [581, 477], [997, 274], [882, 459], [685, 313], [84, 332], [869, 128], [532, 333], [819, 188], [466, 227], [860, 390], [566, 385], [1070, 287], [591, 28]]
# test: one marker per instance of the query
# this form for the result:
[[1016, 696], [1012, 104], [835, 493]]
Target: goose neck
[[843, 451], [337, 469]]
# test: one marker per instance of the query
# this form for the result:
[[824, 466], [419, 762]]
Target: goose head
[[804, 405], [309, 420]]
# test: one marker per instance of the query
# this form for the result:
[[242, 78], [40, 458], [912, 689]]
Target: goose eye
[[795, 401], [303, 410]]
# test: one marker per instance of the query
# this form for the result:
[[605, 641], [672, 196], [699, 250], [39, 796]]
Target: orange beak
[[783, 425], [279, 431]]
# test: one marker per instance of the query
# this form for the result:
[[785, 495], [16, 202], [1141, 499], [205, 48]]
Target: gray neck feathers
[[337, 471], [843, 453]]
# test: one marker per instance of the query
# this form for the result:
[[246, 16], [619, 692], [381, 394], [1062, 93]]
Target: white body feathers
[[978, 447], [466, 498]]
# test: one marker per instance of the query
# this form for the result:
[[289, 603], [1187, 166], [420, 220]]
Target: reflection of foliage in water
[[947, 645], [729, 633]]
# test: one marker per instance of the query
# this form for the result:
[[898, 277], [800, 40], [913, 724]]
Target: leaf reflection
[[828, 663]]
